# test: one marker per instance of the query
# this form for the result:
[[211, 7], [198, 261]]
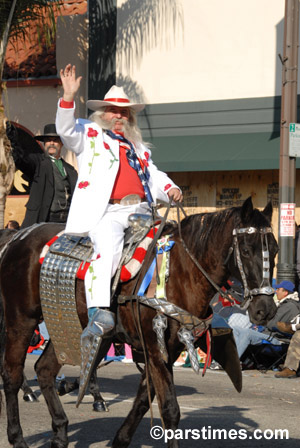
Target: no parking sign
[[287, 219]]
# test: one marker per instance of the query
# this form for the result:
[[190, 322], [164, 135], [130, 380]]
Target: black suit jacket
[[39, 171]]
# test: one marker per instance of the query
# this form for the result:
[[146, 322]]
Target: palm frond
[[17, 28]]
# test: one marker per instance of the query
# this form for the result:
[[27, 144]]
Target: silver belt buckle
[[131, 199]]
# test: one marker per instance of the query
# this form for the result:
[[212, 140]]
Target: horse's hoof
[[58, 444], [100, 406], [31, 397]]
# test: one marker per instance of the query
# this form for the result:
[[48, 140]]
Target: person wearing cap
[[288, 305], [52, 180], [116, 178]]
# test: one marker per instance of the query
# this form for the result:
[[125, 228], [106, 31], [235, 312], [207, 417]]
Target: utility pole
[[287, 165]]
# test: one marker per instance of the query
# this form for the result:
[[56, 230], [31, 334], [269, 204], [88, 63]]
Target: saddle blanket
[[128, 271]]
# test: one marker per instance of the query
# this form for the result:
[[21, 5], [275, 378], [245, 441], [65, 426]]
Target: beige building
[[209, 72]]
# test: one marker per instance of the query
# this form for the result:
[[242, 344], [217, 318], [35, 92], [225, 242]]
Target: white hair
[[131, 130]]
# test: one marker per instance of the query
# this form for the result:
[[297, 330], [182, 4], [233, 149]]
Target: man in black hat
[[52, 180]]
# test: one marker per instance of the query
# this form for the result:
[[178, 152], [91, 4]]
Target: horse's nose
[[260, 316], [262, 309]]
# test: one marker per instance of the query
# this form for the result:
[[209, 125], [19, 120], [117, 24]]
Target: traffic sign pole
[[287, 165]]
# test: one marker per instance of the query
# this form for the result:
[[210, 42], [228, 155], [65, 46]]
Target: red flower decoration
[[167, 187], [92, 132], [106, 145], [147, 155], [83, 184]]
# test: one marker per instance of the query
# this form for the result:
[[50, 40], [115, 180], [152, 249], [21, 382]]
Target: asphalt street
[[208, 405]]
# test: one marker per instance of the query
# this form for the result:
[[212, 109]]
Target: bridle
[[265, 288]]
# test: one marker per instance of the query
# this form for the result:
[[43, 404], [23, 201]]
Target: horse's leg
[[99, 404], [162, 377], [47, 367], [162, 383], [140, 407], [29, 395], [12, 374]]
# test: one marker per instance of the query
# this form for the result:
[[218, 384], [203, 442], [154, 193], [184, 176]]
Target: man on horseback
[[116, 178]]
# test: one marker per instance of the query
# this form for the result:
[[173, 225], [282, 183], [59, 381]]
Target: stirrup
[[99, 328]]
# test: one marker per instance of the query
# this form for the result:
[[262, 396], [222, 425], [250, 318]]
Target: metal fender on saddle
[[225, 353], [191, 327]]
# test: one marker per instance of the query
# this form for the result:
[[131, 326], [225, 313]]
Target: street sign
[[294, 140], [287, 219]]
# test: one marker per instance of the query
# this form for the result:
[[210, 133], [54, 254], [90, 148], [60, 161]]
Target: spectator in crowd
[[52, 180], [288, 304], [291, 364], [244, 332], [245, 335], [12, 224]]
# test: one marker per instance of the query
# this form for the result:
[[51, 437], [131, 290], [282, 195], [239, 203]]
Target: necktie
[[135, 164], [59, 164]]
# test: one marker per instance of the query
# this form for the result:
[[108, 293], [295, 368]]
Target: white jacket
[[98, 165]]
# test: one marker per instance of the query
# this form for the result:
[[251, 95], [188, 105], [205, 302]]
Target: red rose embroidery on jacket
[[92, 132], [113, 159], [83, 184]]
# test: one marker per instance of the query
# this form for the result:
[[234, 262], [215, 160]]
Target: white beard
[[131, 131]]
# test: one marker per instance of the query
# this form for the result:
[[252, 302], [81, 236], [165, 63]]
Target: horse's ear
[[268, 211], [247, 210]]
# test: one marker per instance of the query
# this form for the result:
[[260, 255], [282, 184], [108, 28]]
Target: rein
[[137, 315], [222, 293]]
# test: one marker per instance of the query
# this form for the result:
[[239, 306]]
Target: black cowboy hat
[[49, 131]]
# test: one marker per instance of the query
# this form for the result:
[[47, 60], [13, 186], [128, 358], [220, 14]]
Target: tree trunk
[[7, 166]]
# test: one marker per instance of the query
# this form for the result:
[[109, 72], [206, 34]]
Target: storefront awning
[[226, 152]]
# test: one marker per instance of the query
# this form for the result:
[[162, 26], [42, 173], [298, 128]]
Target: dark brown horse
[[236, 241]]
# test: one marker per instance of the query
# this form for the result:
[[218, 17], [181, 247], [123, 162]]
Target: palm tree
[[15, 19]]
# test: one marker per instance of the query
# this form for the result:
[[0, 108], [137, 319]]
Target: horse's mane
[[199, 228]]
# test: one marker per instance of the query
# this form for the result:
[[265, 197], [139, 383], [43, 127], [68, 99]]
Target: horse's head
[[255, 248]]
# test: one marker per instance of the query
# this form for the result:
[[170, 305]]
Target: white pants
[[108, 240]]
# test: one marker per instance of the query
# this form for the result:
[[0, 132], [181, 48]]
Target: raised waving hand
[[69, 81]]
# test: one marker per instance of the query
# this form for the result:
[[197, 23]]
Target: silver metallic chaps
[[100, 327]]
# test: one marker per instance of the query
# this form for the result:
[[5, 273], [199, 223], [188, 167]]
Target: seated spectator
[[12, 224], [288, 304], [245, 335], [290, 328], [229, 314], [291, 364]]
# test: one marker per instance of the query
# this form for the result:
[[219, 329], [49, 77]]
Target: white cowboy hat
[[115, 97]]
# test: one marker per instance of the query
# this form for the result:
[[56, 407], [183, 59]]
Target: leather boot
[[286, 373], [100, 327]]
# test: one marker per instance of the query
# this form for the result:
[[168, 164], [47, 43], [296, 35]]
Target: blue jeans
[[246, 336], [44, 331]]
